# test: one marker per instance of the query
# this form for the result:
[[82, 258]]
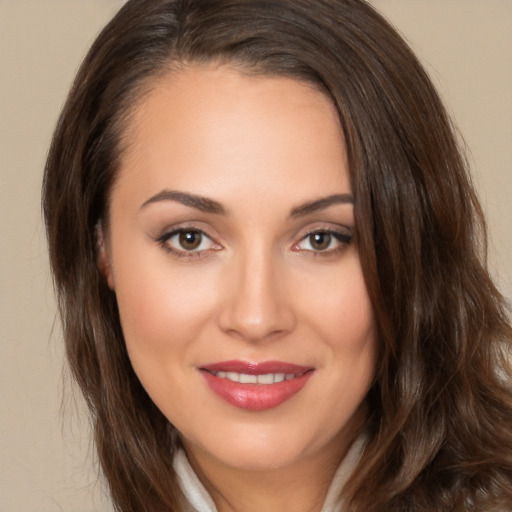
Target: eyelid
[[343, 235], [172, 231]]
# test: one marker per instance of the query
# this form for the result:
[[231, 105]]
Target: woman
[[268, 258]]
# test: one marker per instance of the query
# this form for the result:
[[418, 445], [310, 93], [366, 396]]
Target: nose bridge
[[257, 306]]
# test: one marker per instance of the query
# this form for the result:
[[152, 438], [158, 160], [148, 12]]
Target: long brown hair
[[440, 422]]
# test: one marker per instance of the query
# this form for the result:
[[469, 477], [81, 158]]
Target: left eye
[[323, 241], [187, 240]]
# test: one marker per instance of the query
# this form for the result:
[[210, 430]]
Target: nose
[[257, 305]]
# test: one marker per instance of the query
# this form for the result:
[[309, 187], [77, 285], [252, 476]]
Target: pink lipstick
[[256, 386]]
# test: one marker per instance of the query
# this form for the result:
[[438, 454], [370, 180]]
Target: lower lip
[[256, 397]]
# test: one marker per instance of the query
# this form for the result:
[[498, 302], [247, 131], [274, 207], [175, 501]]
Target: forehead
[[206, 125]]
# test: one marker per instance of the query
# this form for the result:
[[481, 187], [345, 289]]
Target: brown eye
[[320, 241], [190, 240], [324, 241]]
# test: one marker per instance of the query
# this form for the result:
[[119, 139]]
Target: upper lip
[[255, 368]]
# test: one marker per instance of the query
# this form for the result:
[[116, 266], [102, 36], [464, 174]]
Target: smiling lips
[[256, 386]]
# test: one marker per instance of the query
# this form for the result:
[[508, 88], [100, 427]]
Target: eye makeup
[[187, 242], [192, 242]]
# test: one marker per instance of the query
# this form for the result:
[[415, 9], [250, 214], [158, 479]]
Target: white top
[[201, 501]]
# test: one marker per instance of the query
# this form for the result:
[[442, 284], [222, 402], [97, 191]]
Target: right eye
[[185, 242]]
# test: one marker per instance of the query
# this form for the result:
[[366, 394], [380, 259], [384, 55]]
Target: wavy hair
[[440, 421]]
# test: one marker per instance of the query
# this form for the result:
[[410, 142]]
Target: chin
[[261, 448]]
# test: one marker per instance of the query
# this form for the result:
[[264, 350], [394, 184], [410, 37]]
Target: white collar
[[193, 489], [201, 501]]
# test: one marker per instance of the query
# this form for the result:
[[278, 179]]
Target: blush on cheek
[[158, 311], [345, 315]]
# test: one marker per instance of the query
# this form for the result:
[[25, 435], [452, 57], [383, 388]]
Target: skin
[[256, 288]]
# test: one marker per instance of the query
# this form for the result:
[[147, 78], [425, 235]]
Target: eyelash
[[342, 239], [164, 240]]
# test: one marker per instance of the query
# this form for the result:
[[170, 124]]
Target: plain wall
[[46, 460]]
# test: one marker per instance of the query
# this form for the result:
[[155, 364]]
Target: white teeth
[[235, 377], [266, 379], [248, 379], [244, 378]]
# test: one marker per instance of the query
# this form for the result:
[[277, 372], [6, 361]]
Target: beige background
[[46, 462]]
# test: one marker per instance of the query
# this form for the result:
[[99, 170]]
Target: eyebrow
[[199, 202], [321, 204], [208, 205]]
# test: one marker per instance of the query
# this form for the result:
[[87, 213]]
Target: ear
[[103, 254]]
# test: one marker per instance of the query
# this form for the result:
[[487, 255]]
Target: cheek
[[352, 331], [162, 308], [353, 327], [339, 307], [340, 313], [349, 331]]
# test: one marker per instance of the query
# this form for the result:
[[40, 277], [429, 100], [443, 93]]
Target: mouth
[[256, 386], [245, 378]]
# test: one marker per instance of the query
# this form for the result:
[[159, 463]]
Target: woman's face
[[231, 251]]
